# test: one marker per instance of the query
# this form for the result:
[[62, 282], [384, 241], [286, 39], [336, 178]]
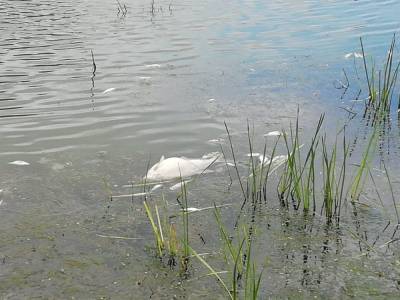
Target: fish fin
[[162, 158]]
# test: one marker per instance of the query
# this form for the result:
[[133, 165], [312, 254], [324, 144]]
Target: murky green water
[[177, 73]]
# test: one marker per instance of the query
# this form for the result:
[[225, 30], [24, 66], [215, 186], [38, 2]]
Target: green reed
[[298, 178], [185, 225], [244, 280], [167, 244], [381, 84], [361, 174]]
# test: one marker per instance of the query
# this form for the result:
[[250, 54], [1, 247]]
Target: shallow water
[[177, 74]]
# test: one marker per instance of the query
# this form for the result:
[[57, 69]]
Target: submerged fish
[[19, 163], [153, 66], [180, 167], [273, 133], [355, 54]]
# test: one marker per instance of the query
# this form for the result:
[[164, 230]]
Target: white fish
[[211, 100], [216, 141], [153, 66], [179, 185], [253, 154], [348, 55], [180, 167], [355, 54], [19, 163], [108, 90], [192, 209], [273, 133]]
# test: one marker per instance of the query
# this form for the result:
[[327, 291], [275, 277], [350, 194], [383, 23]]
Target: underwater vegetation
[[319, 178]]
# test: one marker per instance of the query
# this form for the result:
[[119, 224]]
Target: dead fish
[[253, 154], [153, 66], [355, 54], [19, 163], [180, 167], [216, 141], [273, 133]]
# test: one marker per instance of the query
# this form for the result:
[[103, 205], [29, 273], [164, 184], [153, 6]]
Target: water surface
[[178, 72]]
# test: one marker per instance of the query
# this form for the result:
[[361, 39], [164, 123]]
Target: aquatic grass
[[213, 272], [264, 178], [230, 251], [122, 9], [391, 192], [245, 281], [298, 178], [236, 166], [167, 243], [359, 178], [381, 84], [185, 224], [259, 173], [329, 179], [299, 182], [157, 229]]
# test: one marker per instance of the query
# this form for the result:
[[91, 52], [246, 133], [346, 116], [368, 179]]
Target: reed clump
[[381, 84], [243, 280], [167, 244]]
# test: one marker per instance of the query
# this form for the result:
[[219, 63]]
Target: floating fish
[[108, 90], [216, 141], [153, 66], [211, 100], [273, 133], [19, 163], [253, 154], [355, 54], [180, 167]]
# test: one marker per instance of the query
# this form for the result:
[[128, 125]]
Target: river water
[[162, 80]]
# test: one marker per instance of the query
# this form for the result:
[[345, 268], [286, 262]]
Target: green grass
[[244, 280], [167, 243], [381, 84]]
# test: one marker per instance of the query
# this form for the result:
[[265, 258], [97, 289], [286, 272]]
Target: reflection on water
[[161, 81], [165, 65]]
